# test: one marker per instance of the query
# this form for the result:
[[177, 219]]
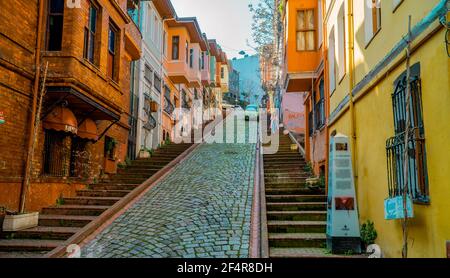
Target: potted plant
[[13, 222], [368, 234], [145, 153]]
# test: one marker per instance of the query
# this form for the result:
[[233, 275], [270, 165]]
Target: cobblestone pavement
[[201, 209]]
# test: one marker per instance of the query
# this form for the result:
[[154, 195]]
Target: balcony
[[205, 75], [178, 71], [195, 77]]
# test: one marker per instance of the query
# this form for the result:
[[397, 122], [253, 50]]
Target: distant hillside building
[[250, 87]]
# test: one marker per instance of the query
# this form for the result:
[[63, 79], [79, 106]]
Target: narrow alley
[[201, 209]]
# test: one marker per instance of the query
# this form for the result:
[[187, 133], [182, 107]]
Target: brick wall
[[66, 68]]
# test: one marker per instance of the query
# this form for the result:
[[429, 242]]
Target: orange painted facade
[[304, 72], [300, 66]]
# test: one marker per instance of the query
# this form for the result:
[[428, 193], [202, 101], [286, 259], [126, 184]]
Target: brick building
[[85, 111]]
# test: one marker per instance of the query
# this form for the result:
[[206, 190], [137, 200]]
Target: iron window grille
[[395, 146], [150, 124], [56, 154], [157, 83], [311, 123], [168, 106]]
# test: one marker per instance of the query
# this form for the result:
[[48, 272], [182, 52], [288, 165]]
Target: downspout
[[327, 92], [351, 61], [27, 175]]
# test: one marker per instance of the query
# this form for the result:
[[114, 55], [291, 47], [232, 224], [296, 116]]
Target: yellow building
[[367, 57]]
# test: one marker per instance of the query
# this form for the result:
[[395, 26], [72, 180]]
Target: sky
[[227, 21]]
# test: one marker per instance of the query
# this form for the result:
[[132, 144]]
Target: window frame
[[91, 35], [114, 67], [375, 22], [191, 58], [306, 30], [176, 48], [50, 15]]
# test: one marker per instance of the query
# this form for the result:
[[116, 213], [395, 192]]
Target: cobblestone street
[[201, 209]]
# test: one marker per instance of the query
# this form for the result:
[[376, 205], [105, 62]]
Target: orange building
[[84, 130], [304, 66], [183, 64]]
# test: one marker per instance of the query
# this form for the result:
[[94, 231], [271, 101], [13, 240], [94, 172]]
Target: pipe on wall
[[37, 75], [351, 62]]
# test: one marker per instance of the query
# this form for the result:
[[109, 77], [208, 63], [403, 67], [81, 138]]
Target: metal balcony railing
[[168, 106]]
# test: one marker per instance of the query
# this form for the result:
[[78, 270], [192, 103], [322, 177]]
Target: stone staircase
[[60, 222], [296, 216]]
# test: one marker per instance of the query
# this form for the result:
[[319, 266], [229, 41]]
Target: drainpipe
[[327, 94], [27, 175], [351, 61]]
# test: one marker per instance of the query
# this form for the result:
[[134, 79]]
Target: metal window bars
[[395, 146]]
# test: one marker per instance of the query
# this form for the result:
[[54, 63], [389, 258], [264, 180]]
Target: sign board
[[343, 233], [393, 208], [2, 118]]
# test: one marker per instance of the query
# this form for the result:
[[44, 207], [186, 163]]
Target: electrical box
[[343, 232]]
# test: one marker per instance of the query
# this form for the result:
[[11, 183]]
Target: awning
[[61, 119], [80, 104], [88, 130]]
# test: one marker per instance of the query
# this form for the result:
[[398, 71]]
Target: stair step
[[92, 201], [124, 181], [103, 193], [297, 215], [114, 186], [28, 245], [286, 173], [50, 220], [22, 254], [275, 226], [297, 240], [42, 232], [277, 179], [296, 206], [279, 190], [296, 159], [75, 210], [291, 184], [307, 253], [296, 198]]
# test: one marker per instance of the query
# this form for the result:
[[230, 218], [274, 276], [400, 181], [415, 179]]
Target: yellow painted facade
[[374, 120]]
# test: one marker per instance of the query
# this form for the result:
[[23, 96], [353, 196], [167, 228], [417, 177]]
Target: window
[[416, 163], [320, 27], [148, 74], [320, 105], [306, 32], [90, 34], [55, 24], [191, 58], [112, 51], [187, 52], [341, 43], [202, 61], [332, 61], [156, 31], [222, 72], [175, 48], [110, 147], [372, 19], [164, 43], [395, 4], [157, 83]]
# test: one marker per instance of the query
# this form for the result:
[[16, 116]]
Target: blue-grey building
[[250, 85]]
